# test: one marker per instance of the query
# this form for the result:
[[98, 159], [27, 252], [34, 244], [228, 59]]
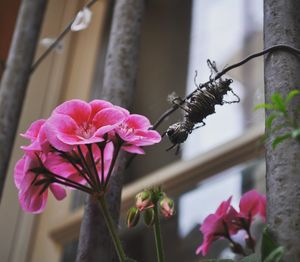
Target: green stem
[[112, 164], [112, 230], [158, 238]]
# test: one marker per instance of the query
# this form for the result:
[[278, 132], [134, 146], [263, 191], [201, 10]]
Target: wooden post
[[16, 75], [282, 26], [119, 78]]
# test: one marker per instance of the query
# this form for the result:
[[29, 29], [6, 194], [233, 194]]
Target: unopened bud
[[149, 217], [144, 200], [166, 206], [133, 217]]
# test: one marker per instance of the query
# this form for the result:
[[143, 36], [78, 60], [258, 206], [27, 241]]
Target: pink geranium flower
[[251, 204], [32, 195], [217, 225], [75, 148], [134, 131], [76, 122], [226, 221]]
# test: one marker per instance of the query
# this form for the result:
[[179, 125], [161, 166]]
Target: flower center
[[86, 130], [126, 129]]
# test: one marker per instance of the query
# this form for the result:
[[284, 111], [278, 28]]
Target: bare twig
[[56, 42], [223, 72]]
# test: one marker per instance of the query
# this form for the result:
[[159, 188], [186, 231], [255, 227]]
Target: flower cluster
[[227, 221], [147, 202], [77, 148]]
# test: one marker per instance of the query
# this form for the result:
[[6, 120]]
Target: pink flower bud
[[166, 207], [144, 200]]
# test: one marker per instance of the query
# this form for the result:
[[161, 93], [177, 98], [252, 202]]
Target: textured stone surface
[[282, 26]]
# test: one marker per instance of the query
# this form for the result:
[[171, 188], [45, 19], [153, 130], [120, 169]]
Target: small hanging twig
[[57, 40]]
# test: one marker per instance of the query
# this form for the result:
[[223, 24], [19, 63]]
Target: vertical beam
[[118, 83], [16, 75], [282, 26]]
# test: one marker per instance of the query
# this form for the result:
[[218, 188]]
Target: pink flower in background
[[76, 122], [32, 195], [227, 221], [217, 225], [134, 131], [251, 204]]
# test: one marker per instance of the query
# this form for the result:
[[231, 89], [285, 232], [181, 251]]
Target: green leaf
[[275, 256], [291, 95], [280, 139], [265, 106], [270, 120], [251, 258], [278, 102], [296, 133], [267, 244]]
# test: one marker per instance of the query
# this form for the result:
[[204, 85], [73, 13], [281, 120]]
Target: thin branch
[[58, 39], [223, 72]]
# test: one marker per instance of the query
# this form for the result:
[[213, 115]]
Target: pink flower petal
[[145, 138], [222, 209], [78, 110], [123, 110], [138, 122], [133, 149], [32, 148], [61, 125], [250, 204], [108, 117], [19, 172], [58, 192], [34, 129], [58, 165], [98, 105], [32, 201]]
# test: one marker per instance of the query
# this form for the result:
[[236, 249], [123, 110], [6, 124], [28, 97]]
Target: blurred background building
[[223, 158]]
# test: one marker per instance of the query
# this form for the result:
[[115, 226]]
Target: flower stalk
[[158, 238], [111, 228]]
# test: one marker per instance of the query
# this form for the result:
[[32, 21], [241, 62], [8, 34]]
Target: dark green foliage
[[284, 120], [270, 251]]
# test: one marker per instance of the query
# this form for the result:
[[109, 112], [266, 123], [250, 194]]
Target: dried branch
[[280, 47], [57, 40]]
